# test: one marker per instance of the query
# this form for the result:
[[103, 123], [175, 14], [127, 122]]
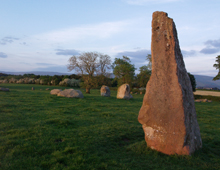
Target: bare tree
[[104, 64], [88, 64]]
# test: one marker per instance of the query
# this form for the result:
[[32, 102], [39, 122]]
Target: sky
[[41, 35]]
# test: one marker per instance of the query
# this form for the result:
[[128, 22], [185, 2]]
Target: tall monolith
[[168, 114]]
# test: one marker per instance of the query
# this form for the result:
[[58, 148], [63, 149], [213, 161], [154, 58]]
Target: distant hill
[[206, 81], [42, 73]]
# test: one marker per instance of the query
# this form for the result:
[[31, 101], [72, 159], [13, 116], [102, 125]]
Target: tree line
[[93, 67], [93, 70]]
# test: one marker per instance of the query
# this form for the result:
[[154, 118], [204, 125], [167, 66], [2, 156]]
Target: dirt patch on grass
[[207, 93]]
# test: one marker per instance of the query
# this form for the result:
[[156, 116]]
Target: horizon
[[43, 35], [61, 73], [201, 80]]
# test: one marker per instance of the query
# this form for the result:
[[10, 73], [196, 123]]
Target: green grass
[[212, 98], [42, 131]]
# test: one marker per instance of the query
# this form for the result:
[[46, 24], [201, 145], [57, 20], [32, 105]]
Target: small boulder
[[47, 89], [105, 91], [55, 91], [124, 92], [4, 89], [71, 93]]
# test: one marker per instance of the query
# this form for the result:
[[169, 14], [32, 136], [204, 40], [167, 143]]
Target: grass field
[[41, 131]]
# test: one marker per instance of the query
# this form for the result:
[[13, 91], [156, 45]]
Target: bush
[[64, 82], [70, 83], [136, 90], [74, 83], [37, 81], [12, 80]]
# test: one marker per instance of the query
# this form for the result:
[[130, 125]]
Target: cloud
[[55, 68], [212, 47], [188, 53], [44, 64], [67, 52], [138, 57], [213, 43], [86, 32], [145, 2], [3, 55], [6, 40], [138, 54], [23, 43], [210, 50]]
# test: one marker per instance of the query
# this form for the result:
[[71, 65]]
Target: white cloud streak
[[74, 34]]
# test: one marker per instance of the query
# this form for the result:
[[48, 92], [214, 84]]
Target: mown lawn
[[41, 131]]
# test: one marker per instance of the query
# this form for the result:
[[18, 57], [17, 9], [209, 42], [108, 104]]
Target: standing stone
[[168, 114], [105, 91], [124, 92]]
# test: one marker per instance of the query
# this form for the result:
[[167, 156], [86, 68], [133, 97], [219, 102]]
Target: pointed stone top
[[160, 13]]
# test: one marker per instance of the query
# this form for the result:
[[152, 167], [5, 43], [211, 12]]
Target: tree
[[45, 80], [103, 71], [144, 72], [87, 65], [105, 64], [193, 81], [149, 59], [123, 70], [65, 77], [143, 76], [217, 66]]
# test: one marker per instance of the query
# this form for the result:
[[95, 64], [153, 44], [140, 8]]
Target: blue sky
[[41, 35]]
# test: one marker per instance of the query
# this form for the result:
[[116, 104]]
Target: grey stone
[[105, 91], [71, 93], [55, 91], [4, 89]]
